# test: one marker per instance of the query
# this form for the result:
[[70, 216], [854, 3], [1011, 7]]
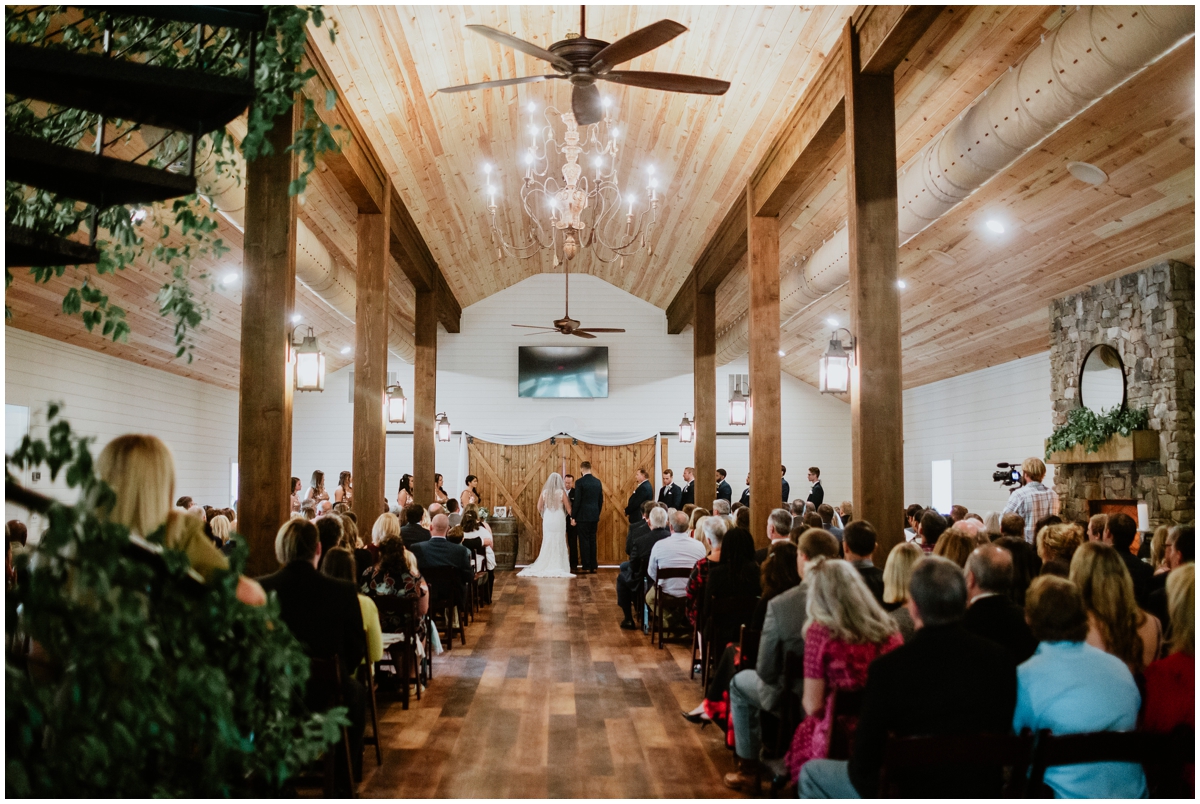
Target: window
[[943, 495]]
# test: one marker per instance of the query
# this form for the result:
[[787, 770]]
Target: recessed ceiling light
[[345, 350], [900, 283], [1087, 172], [532, 107], [229, 278], [782, 353], [296, 318], [995, 226], [833, 322], [943, 257]]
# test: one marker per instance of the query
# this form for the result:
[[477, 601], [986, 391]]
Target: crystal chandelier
[[563, 209]]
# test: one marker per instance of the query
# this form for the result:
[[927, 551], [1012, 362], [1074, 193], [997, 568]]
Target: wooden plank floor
[[550, 698]]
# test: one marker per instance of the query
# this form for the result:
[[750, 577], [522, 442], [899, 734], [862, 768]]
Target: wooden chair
[[446, 598], [984, 751], [325, 692], [481, 590], [748, 641], [1162, 756], [664, 602], [723, 615], [366, 675], [697, 646], [404, 610]]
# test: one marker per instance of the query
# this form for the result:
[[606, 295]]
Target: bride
[[554, 506]]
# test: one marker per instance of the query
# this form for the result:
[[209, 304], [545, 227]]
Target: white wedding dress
[[553, 560]]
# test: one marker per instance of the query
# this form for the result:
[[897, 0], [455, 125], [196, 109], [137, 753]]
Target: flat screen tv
[[562, 372]]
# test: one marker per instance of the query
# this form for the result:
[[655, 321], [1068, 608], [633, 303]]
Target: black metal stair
[[25, 247]]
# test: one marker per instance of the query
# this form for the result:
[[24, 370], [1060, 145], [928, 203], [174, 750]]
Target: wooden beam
[[370, 362], [682, 308], [887, 33], [704, 369], [265, 394], [765, 419], [449, 310], [425, 397], [876, 405]]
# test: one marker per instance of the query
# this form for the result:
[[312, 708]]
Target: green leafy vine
[[1083, 426]]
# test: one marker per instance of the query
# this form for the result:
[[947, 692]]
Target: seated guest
[[308, 510], [397, 574], [955, 544], [720, 507], [735, 576], [1158, 549], [1096, 525], [741, 519], [991, 614], [813, 520], [363, 558], [339, 563], [779, 525], [677, 551], [452, 513], [760, 689], [847, 629], [475, 528], [1121, 532], [219, 525], [897, 573], [439, 551], [972, 526], [912, 518], [991, 524], [324, 615], [329, 528], [640, 528], [1056, 544], [846, 512], [930, 529], [858, 543], [1115, 623], [1012, 525], [1069, 687], [412, 530], [1171, 682], [963, 665], [633, 571], [712, 530], [798, 508], [1179, 550], [957, 513], [455, 534], [825, 511], [1047, 521], [1026, 565], [697, 513]]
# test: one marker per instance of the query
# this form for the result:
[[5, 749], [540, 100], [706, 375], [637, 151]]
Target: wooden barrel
[[504, 533]]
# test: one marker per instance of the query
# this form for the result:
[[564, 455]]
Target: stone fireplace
[[1149, 318]]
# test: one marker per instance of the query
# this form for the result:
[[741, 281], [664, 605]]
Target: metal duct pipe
[[1091, 53], [315, 266]]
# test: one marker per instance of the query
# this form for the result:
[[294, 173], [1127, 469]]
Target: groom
[[585, 510]]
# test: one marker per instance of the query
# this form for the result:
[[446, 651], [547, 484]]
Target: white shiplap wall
[[650, 389], [105, 397], [1001, 413]]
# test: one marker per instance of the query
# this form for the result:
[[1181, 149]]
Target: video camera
[[1010, 474]]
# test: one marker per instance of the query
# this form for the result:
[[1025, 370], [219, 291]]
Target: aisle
[[549, 698]]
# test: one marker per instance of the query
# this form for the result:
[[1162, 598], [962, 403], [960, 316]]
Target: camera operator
[[1033, 500]]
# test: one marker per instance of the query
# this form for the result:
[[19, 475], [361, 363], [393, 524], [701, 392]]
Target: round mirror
[[1102, 380]]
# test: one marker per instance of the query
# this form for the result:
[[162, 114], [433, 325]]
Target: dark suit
[[441, 552], [945, 680], [670, 496], [413, 533], [643, 493], [572, 533], [629, 580], [323, 613], [688, 497], [787, 491], [873, 575], [745, 498], [585, 510], [724, 491], [817, 495], [639, 528], [1142, 574], [997, 618]]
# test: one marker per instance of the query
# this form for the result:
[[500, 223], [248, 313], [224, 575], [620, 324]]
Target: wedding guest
[[1070, 687], [1171, 682], [219, 525], [736, 575], [1012, 525], [991, 614], [413, 530], [1121, 532], [955, 544], [991, 524], [912, 516], [344, 493], [712, 531], [1158, 549], [1115, 623], [897, 573], [352, 541], [930, 529], [329, 528], [1026, 565], [339, 563], [858, 544], [1058, 543], [695, 515], [845, 511], [1096, 524]]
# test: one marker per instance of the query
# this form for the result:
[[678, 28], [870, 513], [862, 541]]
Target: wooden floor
[[550, 698]]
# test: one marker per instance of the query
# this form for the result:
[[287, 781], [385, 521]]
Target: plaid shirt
[[1033, 501]]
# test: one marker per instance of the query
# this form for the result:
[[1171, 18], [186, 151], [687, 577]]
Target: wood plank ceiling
[[988, 307]]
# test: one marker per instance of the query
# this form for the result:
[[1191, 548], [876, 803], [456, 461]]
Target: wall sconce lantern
[[687, 430], [310, 363], [396, 404], [739, 407], [443, 428], [835, 366]]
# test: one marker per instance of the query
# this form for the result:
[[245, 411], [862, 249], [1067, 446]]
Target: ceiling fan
[[567, 325], [584, 61]]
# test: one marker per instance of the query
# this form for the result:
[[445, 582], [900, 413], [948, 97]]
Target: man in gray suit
[[754, 691]]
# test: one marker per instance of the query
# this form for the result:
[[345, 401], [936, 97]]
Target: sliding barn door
[[513, 476]]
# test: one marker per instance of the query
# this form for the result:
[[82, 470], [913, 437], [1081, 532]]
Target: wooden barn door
[[513, 476]]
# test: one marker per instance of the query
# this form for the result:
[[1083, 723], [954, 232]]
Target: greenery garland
[[1083, 426], [144, 682], [188, 228]]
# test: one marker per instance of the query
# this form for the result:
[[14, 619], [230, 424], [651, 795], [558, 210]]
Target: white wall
[[1001, 413], [105, 397], [650, 389]]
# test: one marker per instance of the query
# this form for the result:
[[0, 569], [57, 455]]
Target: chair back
[[903, 755], [1155, 752], [393, 608], [667, 573], [324, 689], [748, 647], [445, 585], [725, 616]]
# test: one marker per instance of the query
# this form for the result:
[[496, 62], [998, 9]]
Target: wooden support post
[[704, 357], [370, 362], [765, 422], [876, 405], [425, 396], [265, 393]]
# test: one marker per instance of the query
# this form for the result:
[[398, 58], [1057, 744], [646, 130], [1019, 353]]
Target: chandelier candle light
[[563, 209]]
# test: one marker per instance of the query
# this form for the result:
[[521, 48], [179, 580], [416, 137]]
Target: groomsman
[[670, 494], [641, 493], [787, 490], [724, 490], [689, 490], [817, 495], [745, 500]]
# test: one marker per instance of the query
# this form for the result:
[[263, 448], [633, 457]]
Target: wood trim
[[425, 397], [766, 449], [682, 310], [1140, 445], [704, 396], [886, 34]]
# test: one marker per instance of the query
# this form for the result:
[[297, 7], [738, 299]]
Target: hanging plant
[[186, 228], [1083, 426]]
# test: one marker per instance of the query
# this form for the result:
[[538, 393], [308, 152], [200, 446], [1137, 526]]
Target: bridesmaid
[[316, 490], [470, 495], [439, 493], [404, 496], [344, 493]]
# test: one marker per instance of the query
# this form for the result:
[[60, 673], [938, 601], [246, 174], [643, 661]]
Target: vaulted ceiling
[[987, 307]]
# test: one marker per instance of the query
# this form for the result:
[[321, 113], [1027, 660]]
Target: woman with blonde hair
[[1170, 699], [385, 525], [1115, 623], [140, 472], [219, 525], [694, 518], [847, 629], [956, 544], [1058, 543], [316, 490], [897, 573], [1158, 549]]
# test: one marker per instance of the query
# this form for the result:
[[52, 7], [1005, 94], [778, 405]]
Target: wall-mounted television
[[562, 372]]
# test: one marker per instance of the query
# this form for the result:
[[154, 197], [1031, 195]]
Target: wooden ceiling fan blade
[[599, 329], [581, 333], [586, 104], [531, 326], [635, 44], [528, 48], [506, 82], [668, 82]]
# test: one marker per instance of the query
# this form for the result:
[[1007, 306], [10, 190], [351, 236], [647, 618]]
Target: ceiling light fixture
[[834, 366], [309, 363], [443, 427], [229, 278], [687, 430], [346, 350], [833, 322], [995, 226], [296, 318], [1087, 172], [900, 283]]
